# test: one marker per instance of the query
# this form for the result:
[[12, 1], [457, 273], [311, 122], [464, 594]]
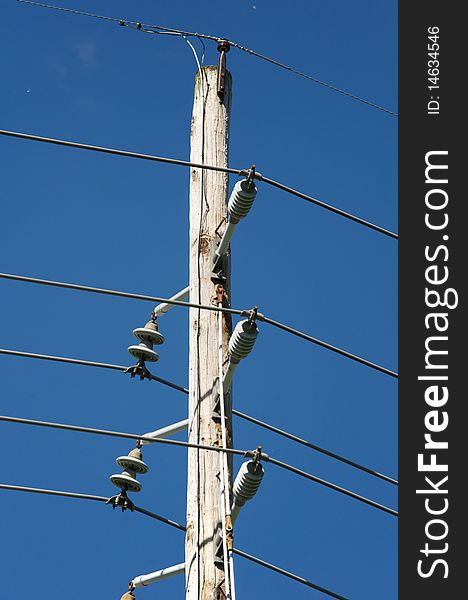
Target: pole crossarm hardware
[[163, 308], [144, 580], [185, 163], [164, 432]]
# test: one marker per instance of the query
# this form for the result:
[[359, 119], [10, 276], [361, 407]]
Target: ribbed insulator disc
[[128, 462], [125, 482], [144, 334], [142, 352]]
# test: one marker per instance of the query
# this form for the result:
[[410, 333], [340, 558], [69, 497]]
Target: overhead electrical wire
[[170, 522], [185, 163], [158, 29], [21, 488], [233, 451], [86, 363], [327, 206], [186, 391], [299, 440], [127, 153], [328, 346], [332, 486], [281, 571], [223, 451], [95, 290], [260, 316], [131, 436]]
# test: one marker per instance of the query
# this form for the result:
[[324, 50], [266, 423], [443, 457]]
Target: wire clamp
[[252, 318], [139, 370], [251, 176], [257, 457], [121, 500]]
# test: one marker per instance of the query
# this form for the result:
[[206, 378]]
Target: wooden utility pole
[[208, 210]]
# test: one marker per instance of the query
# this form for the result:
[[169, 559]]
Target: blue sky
[[121, 223]]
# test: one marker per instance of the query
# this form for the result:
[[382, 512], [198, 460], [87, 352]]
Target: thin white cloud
[[86, 52]]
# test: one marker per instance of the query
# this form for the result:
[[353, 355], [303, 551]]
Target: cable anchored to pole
[[159, 29]]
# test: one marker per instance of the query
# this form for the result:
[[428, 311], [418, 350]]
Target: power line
[[315, 80], [121, 434], [186, 391], [261, 317], [299, 440], [86, 363], [274, 323], [329, 207], [119, 21], [233, 451], [158, 29], [127, 153], [165, 520], [328, 346], [21, 488], [281, 571], [185, 163], [95, 290], [175, 524], [332, 486]]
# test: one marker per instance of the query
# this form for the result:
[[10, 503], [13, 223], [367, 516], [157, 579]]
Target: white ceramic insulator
[[247, 482], [242, 340], [241, 200]]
